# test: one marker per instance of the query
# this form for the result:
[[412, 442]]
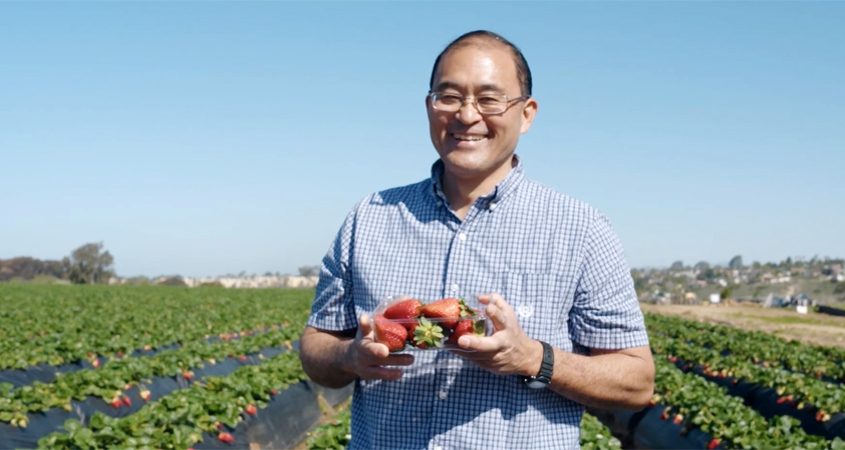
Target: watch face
[[536, 382]]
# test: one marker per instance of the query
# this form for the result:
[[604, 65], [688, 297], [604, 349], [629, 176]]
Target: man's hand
[[508, 350], [370, 360]]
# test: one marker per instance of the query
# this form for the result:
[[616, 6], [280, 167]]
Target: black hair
[[523, 73]]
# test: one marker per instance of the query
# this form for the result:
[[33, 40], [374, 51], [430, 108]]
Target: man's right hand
[[370, 360]]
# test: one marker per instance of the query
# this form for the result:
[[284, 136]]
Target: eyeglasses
[[487, 104]]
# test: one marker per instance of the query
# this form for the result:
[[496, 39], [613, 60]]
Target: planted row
[[214, 405], [691, 401], [803, 390], [111, 380], [760, 348], [64, 324]]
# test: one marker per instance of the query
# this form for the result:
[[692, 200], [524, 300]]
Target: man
[[568, 330]]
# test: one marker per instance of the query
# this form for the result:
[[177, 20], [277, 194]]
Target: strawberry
[[428, 334], [713, 443], [391, 334], [447, 310], [145, 395], [225, 437], [405, 311], [126, 400], [95, 363], [242, 358], [116, 402], [466, 326], [251, 409], [822, 416], [187, 375], [679, 419]]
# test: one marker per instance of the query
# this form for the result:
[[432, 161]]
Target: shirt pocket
[[541, 302]]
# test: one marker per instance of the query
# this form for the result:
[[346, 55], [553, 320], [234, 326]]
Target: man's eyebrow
[[443, 85]]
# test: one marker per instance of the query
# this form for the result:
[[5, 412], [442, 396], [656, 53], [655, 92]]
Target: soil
[[811, 328]]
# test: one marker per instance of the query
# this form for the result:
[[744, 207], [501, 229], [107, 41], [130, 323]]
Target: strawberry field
[[160, 367]]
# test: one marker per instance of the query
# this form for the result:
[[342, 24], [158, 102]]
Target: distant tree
[[736, 262], [89, 264], [701, 266], [309, 271], [726, 292], [677, 265], [174, 280]]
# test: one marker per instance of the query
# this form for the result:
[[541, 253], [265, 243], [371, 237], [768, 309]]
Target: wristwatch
[[544, 376]]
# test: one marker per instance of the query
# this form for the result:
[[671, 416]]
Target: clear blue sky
[[205, 138]]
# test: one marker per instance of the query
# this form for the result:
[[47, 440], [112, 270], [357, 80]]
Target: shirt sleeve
[[333, 308], [606, 313]]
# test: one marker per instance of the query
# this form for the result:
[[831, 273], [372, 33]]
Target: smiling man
[[549, 270]]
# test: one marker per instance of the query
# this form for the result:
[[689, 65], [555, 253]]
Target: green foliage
[[333, 435], [596, 436], [90, 264]]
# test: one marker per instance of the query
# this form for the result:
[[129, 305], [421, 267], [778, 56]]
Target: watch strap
[[544, 376]]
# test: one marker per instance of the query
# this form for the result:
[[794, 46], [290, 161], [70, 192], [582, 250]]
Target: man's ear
[[529, 111]]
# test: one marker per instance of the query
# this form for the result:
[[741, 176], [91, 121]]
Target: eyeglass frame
[[464, 98]]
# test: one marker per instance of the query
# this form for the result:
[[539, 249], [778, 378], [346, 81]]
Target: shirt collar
[[501, 190]]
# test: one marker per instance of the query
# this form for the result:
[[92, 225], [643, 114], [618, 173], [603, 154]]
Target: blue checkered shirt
[[556, 260]]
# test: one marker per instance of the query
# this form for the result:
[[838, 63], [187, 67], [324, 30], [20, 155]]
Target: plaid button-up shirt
[[556, 260]]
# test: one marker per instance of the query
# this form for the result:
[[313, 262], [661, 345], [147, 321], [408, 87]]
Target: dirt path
[[812, 328]]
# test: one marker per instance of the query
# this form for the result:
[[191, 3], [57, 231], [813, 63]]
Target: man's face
[[475, 147]]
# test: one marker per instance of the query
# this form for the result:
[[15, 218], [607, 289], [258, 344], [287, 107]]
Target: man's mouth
[[468, 137]]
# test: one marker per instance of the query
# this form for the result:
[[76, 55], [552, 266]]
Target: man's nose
[[468, 113]]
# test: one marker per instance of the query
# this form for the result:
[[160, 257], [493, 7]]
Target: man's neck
[[463, 192]]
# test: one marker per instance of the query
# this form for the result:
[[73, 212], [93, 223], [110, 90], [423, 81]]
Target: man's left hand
[[508, 350]]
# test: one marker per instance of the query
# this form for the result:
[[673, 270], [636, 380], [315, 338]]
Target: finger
[[365, 327], [487, 344], [399, 360], [376, 351], [381, 373]]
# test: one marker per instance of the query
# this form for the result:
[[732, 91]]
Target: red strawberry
[[251, 409], [225, 437], [116, 402], [242, 358], [713, 443], [466, 326], [448, 310], [126, 400], [188, 375], [679, 419], [405, 311], [391, 334]]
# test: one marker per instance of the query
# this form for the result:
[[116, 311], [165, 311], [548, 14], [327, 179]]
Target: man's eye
[[489, 101], [449, 99]]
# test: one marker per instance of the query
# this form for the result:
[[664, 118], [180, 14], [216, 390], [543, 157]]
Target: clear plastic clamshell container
[[404, 322]]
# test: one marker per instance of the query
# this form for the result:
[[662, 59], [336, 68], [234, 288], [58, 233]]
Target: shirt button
[[442, 395], [462, 237], [493, 205], [455, 287]]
